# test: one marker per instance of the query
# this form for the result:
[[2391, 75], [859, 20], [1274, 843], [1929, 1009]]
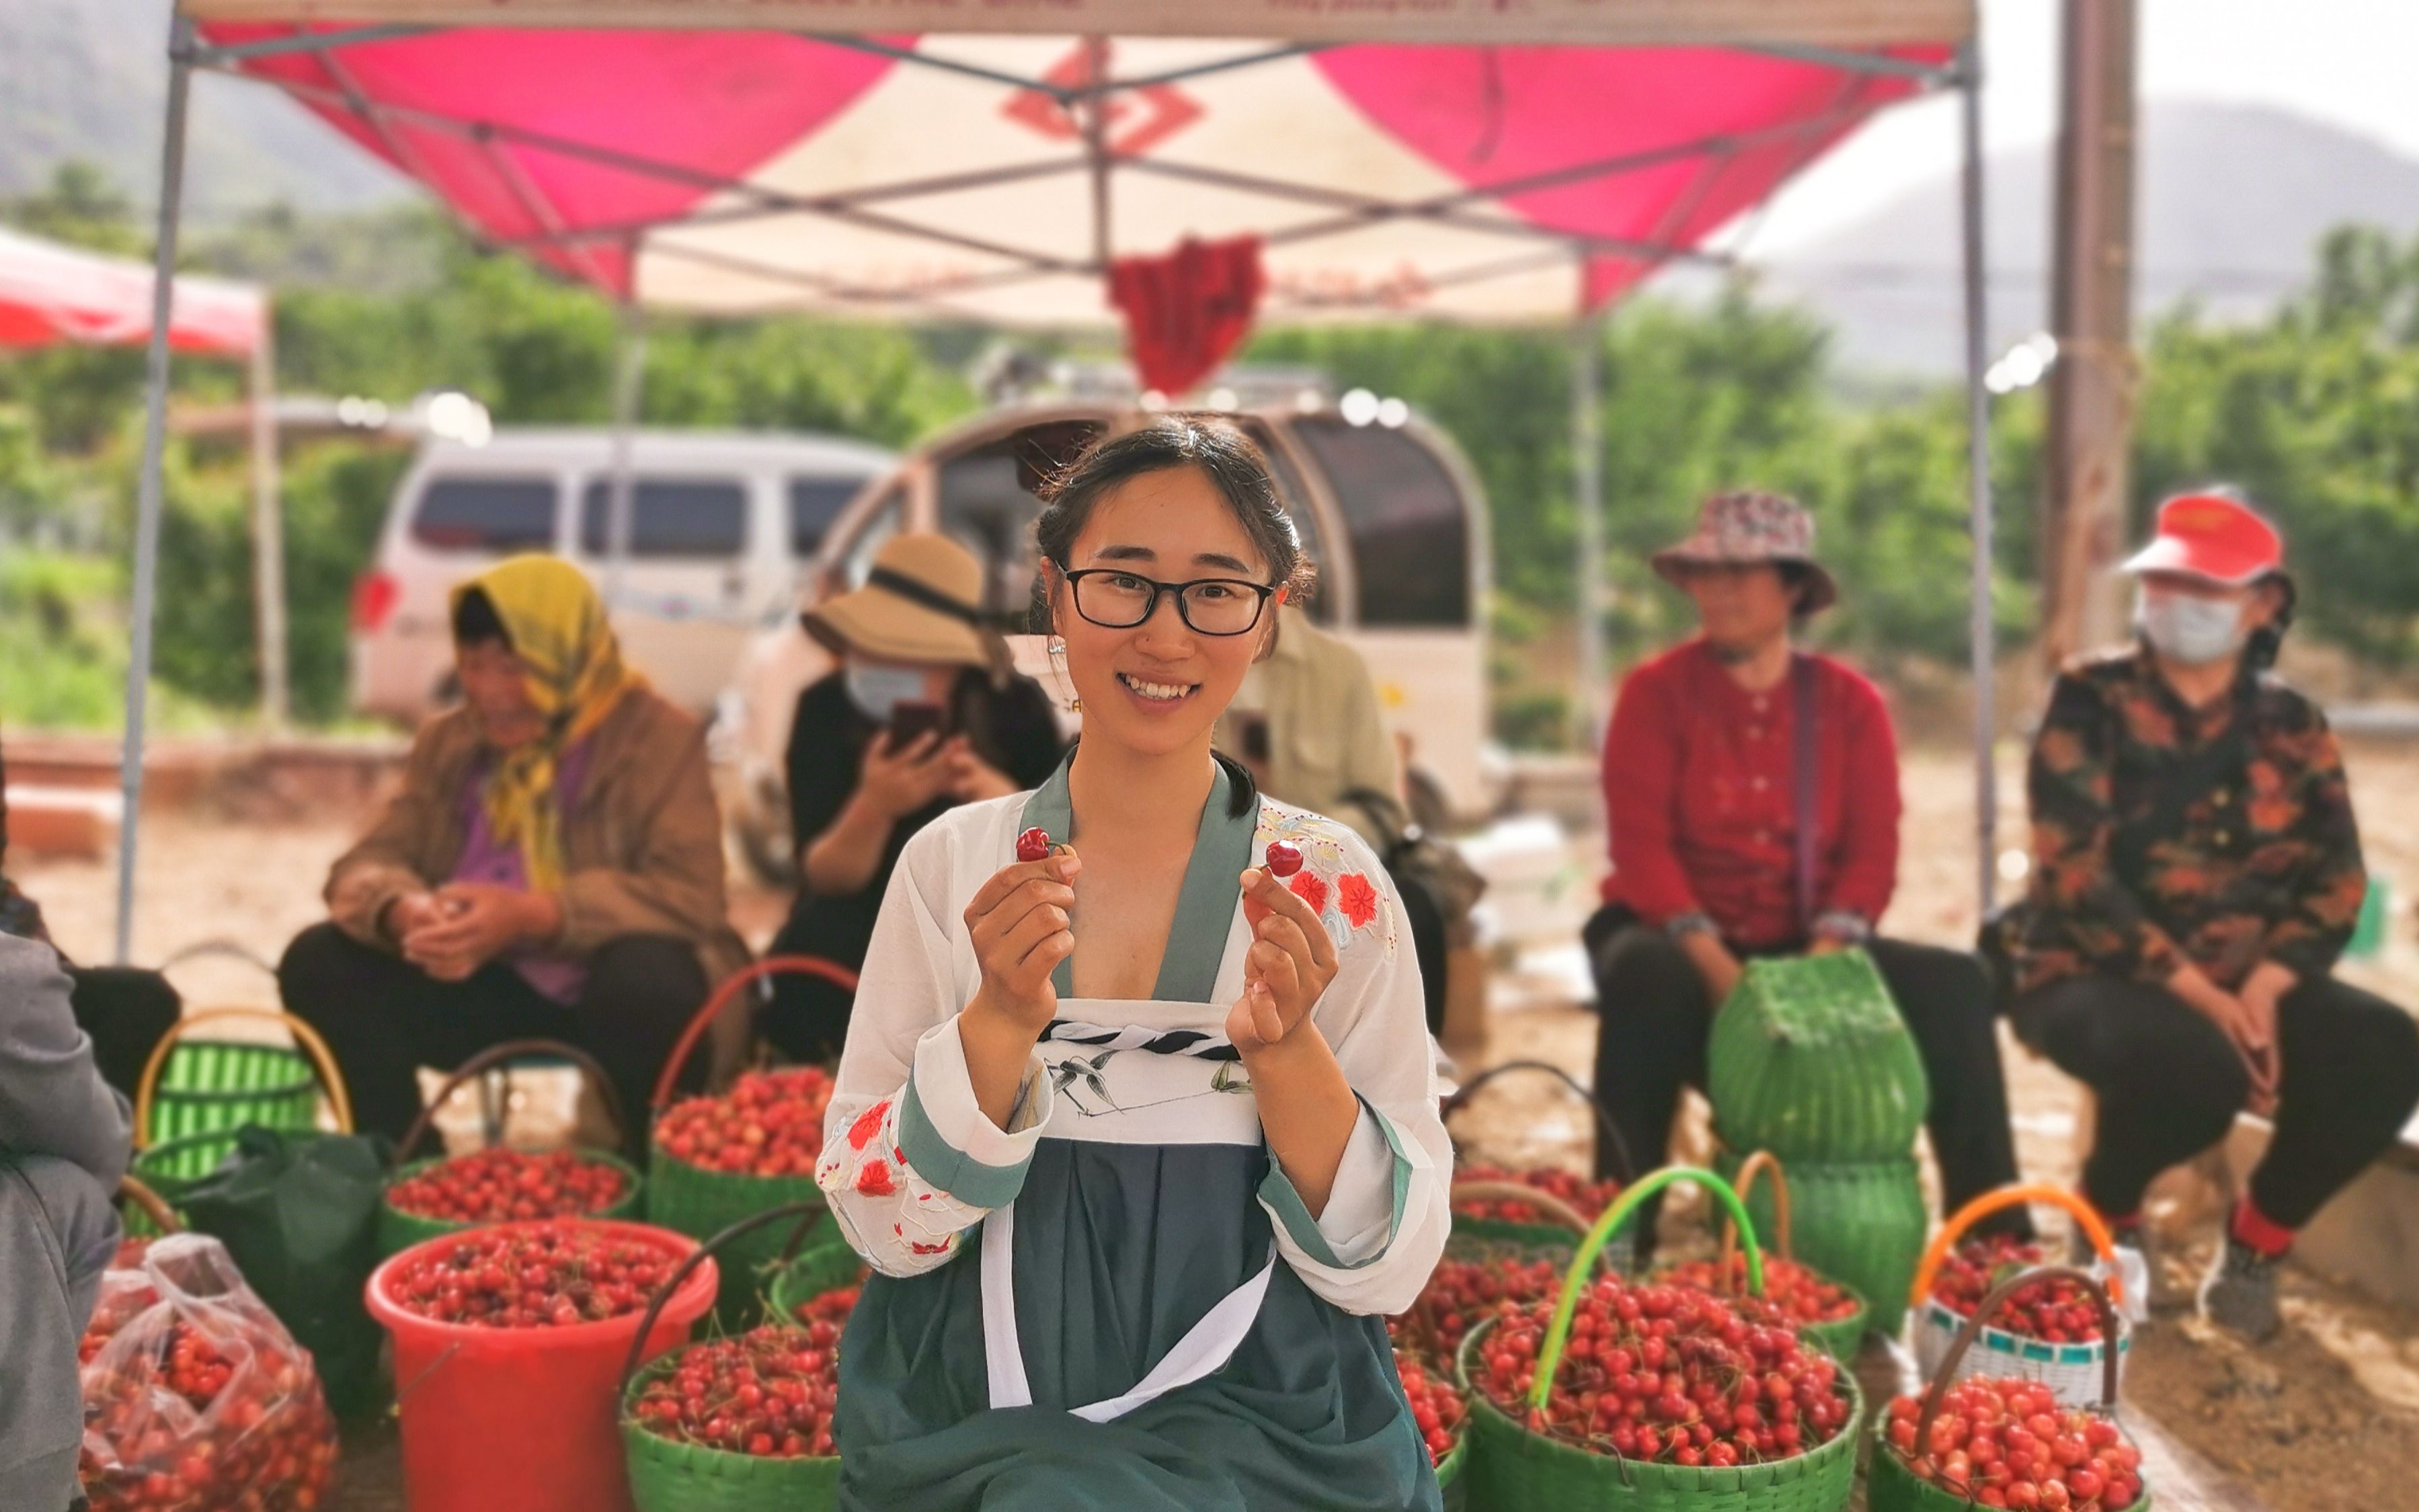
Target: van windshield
[[988, 504], [485, 513], [1405, 517]]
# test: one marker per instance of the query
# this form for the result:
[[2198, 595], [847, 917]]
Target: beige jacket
[[1325, 735], [643, 846]]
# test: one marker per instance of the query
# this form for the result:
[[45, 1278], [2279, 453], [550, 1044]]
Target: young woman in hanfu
[[1140, 1138]]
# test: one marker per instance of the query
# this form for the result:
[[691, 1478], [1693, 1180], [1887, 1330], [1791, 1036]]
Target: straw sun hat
[[922, 603]]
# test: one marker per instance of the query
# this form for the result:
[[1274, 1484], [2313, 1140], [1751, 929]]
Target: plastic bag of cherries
[[196, 1398]]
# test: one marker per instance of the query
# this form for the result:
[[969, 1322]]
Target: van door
[[686, 606]]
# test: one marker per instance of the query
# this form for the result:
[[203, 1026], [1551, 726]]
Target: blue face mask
[[2194, 631], [879, 690]]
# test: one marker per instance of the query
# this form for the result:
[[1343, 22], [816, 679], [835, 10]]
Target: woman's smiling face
[[1158, 686]]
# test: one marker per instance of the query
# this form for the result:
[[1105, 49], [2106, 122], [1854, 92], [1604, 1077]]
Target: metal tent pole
[[148, 483], [627, 385], [1978, 423], [1587, 479], [268, 532]]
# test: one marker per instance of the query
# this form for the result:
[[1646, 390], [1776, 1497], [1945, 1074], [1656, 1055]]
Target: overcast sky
[[2352, 63]]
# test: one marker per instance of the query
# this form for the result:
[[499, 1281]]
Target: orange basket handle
[[1760, 1163], [132, 1189], [497, 1054], [1972, 1329], [2012, 1196], [314, 1050], [722, 997]]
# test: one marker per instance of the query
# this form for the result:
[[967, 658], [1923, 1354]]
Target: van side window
[[1295, 493], [988, 503], [492, 514], [1405, 517], [668, 518], [814, 503]]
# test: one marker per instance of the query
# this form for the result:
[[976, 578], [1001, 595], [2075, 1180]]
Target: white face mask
[[879, 690], [2194, 631]]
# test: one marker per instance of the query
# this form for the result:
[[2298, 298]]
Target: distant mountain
[[2230, 202], [89, 79]]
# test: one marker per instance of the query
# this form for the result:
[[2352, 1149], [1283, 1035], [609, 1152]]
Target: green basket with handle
[[1810, 1058], [1511, 1467], [825, 1263], [217, 1086], [145, 1212], [399, 1230], [670, 1476], [693, 1200], [1860, 1222], [170, 1167], [1891, 1484], [1841, 1336], [1554, 1235]]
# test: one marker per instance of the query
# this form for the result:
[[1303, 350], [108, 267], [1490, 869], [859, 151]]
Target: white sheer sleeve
[[1386, 1219], [910, 1161]]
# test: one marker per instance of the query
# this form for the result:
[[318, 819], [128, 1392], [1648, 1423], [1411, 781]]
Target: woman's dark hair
[[1217, 451], [1797, 578], [2259, 650], [476, 622], [1234, 466]]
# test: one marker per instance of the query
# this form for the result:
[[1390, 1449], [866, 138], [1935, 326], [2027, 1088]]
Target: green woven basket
[[399, 1230], [1890, 1486], [1559, 1236], [1860, 1222], [1510, 1467], [822, 1268], [1841, 1338], [209, 1086], [692, 1200], [1810, 1058], [666, 1476], [1450, 1479]]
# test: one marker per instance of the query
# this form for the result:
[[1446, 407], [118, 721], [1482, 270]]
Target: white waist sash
[[1205, 1347]]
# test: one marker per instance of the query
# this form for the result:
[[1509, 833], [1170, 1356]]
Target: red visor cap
[[2210, 535]]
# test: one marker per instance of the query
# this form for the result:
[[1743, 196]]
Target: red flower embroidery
[[917, 1246], [1357, 898], [874, 1180], [1306, 886], [868, 1124]]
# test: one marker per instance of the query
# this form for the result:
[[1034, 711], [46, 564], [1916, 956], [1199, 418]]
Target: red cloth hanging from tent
[[1186, 311]]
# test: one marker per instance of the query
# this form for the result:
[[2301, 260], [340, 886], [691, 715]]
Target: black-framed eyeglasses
[[1117, 599]]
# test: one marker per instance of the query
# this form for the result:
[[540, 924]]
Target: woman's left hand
[[480, 922], [1289, 963]]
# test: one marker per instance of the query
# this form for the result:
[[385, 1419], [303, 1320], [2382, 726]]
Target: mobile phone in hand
[[911, 723]]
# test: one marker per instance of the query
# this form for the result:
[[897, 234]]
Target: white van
[[723, 527], [1391, 515]]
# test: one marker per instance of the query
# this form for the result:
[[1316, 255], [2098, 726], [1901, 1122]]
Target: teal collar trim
[[1205, 907]]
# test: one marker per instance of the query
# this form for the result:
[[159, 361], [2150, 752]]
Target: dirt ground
[[2325, 1419]]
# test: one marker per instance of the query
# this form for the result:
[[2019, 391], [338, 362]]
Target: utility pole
[[2091, 310]]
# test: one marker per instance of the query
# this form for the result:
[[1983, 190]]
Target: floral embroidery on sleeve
[[1335, 879]]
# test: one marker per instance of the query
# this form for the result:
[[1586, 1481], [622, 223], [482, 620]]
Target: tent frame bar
[[151, 481], [1852, 61], [219, 55], [1982, 516]]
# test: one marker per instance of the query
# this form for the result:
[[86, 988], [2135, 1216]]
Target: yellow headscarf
[[575, 678]]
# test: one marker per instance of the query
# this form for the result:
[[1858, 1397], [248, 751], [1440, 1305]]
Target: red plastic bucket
[[522, 1419]]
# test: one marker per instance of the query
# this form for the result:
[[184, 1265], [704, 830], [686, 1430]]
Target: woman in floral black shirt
[[2198, 871]]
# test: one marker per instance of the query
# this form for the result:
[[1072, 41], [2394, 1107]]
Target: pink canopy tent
[[1453, 159], [53, 295]]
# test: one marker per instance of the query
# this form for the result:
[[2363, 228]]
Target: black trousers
[[806, 1017], [2170, 1084], [385, 1017], [1653, 1019], [125, 1011]]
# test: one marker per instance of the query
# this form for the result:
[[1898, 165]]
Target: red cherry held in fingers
[[1033, 845], [1284, 860]]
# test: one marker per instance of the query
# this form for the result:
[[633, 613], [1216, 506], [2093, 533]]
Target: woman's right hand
[[2252, 1034], [897, 782], [1021, 922], [1714, 963]]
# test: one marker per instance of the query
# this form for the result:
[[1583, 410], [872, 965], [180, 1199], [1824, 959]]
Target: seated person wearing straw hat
[[552, 868], [922, 714], [1752, 792], [2196, 874]]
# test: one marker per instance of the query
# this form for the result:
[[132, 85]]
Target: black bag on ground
[[299, 1211]]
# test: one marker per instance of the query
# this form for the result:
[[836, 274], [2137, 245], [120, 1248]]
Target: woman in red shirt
[[1702, 788]]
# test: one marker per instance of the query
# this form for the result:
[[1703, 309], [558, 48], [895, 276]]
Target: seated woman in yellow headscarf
[[552, 866]]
